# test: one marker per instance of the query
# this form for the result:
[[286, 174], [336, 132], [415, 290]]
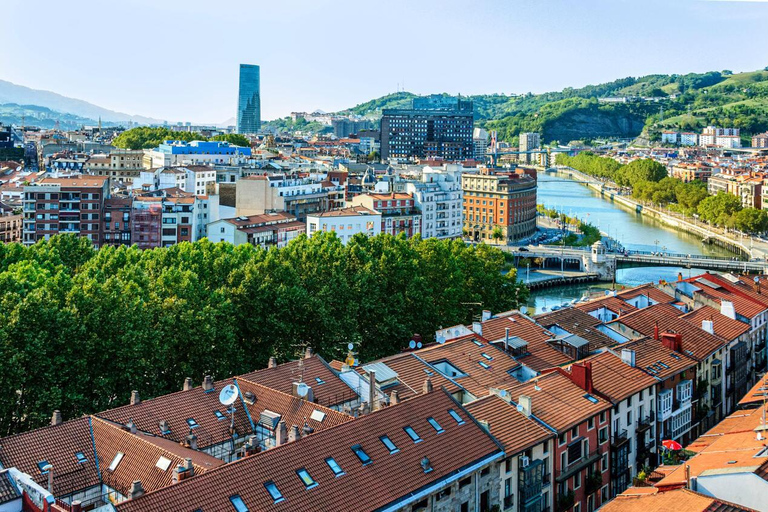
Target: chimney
[[581, 375], [130, 426], [727, 309], [506, 339], [373, 396], [427, 385], [708, 325], [656, 330], [56, 418], [135, 399], [249, 397], [394, 397], [477, 327], [679, 277], [189, 469], [293, 434], [486, 315], [77, 506], [179, 474], [281, 434], [272, 362], [164, 427], [308, 353], [672, 341], [526, 405], [628, 356], [136, 489], [191, 441], [187, 384], [208, 383]]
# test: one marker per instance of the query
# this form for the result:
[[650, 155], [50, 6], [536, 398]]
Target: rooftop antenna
[[227, 397]]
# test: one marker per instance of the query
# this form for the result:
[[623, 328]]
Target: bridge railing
[[661, 254]]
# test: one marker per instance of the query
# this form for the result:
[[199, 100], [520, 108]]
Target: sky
[[179, 59]]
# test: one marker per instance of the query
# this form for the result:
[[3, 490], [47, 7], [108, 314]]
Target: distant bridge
[[605, 264]]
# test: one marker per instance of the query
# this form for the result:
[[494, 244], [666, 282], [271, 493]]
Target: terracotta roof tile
[[388, 478], [558, 402], [577, 322], [758, 394], [654, 358], [615, 379], [57, 445], [332, 391], [679, 500], [725, 327], [513, 429], [412, 371]]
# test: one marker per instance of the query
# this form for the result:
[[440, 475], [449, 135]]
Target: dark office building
[[6, 139], [434, 127]]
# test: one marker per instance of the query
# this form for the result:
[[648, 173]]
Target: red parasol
[[671, 445]]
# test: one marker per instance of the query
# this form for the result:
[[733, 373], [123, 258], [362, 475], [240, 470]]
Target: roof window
[[192, 423], [238, 503], [456, 417], [364, 458], [118, 457], [389, 444], [412, 434], [591, 398], [337, 471], [43, 466], [81, 458], [306, 478], [432, 421], [273, 491]]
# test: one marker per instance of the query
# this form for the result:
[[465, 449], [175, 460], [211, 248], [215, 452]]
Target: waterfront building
[[434, 127], [528, 142], [249, 100], [345, 222], [497, 198]]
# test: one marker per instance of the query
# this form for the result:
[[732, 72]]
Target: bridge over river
[[597, 261]]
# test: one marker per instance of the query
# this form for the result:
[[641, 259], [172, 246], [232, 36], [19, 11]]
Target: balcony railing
[[619, 437], [577, 465], [644, 423]]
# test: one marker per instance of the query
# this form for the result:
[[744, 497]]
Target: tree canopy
[[82, 328], [145, 137]]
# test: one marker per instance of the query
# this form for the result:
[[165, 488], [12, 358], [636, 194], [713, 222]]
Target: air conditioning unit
[[524, 461]]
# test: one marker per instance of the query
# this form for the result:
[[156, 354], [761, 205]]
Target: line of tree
[[82, 327], [627, 175], [146, 137]]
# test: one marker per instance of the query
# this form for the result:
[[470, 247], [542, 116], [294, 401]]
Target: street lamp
[[656, 242]]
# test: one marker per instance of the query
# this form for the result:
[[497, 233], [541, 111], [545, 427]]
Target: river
[[631, 229]]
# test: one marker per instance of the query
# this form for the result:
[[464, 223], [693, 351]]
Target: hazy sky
[[178, 59]]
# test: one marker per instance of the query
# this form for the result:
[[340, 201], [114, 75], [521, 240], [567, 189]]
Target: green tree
[[751, 220], [719, 209]]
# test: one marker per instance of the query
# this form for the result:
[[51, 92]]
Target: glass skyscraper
[[249, 100]]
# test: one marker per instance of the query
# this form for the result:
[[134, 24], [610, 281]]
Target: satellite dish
[[757, 279], [412, 344], [228, 395], [524, 309], [302, 389], [350, 346], [419, 345]]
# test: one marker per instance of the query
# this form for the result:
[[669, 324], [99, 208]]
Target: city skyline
[[519, 47]]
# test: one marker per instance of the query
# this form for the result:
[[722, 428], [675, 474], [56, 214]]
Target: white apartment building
[[689, 139], [199, 178], [440, 197], [346, 222]]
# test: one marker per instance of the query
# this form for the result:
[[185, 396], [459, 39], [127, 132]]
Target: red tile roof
[[333, 391], [697, 342], [610, 303], [758, 394], [512, 428], [388, 479], [57, 445], [196, 404], [577, 322], [657, 360], [680, 500], [558, 402], [725, 327], [615, 379], [412, 371]]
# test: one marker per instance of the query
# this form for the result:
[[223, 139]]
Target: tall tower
[[249, 100]]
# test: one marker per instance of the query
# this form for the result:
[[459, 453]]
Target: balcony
[[619, 438], [644, 423], [577, 465]]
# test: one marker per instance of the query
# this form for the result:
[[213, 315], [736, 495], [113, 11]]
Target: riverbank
[[708, 234]]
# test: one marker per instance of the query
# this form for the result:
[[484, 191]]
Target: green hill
[[687, 102]]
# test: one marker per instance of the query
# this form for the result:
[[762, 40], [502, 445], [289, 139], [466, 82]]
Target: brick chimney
[[272, 362], [77, 506], [308, 353], [656, 330], [293, 434], [208, 383], [136, 489], [135, 398], [187, 384], [427, 385], [281, 434], [179, 474], [189, 469], [672, 341], [581, 375], [56, 418]]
